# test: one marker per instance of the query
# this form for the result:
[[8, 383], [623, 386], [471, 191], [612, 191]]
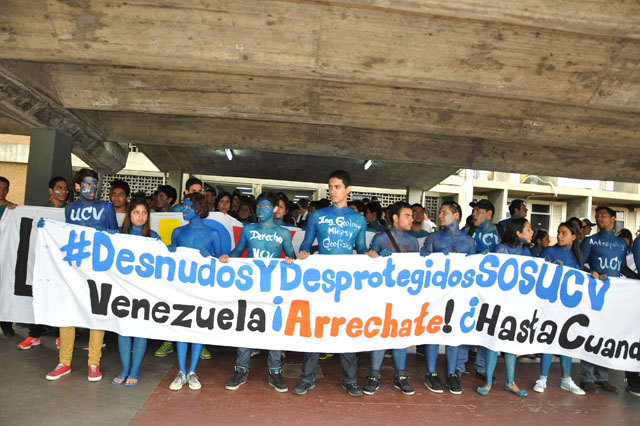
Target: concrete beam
[[27, 95]]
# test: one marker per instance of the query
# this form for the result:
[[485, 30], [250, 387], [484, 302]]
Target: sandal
[[118, 380], [483, 391], [130, 382], [520, 392]]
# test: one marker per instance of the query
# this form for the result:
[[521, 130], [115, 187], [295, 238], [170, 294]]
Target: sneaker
[[325, 356], [94, 373], [372, 385], [204, 353], [590, 387], [58, 343], [453, 384], [541, 385], [194, 383], [255, 352], [164, 349], [178, 382], [634, 391], [239, 378], [28, 342], [302, 388], [568, 385], [275, 380], [352, 389], [607, 386], [86, 347], [59, 371], [402, 382], [433, 383]]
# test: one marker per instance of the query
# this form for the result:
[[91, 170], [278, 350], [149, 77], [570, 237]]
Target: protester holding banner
[[338, 229], [565, 253], [605, 254], [196, 234], [394, 240], [265, 240], [87, 211], [136, 222], [448, 239], [516, 240]]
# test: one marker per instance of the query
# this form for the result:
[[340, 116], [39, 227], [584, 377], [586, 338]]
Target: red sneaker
[[58, 342], [58, 372], [94, 373], [28, 342]]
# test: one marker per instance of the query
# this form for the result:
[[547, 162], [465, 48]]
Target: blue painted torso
[[486, 237], [406, 242], [137, 230], [199, 236], [604, 253], [95, 214], [376, 226], [560, 255], [449, 239], [418, 234], [264, 241], [338, 230], [521, 249]]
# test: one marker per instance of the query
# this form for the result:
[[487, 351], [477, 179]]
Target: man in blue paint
[[417, 230], [395, 240], [605, 254], [264, 240], [449, 239], [87, 211], [164, 198], [487, 238], [372, 214], [338, 229], [197, 235], [517, 208]]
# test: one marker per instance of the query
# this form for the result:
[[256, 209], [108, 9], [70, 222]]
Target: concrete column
[[499, 200], [256, 189], [465, 196], [414, 195], [49, 156], [174, 178], [321, 193], [579, 207]]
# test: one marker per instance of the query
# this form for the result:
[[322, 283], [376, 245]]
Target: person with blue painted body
[[164, 198], [487, 239], [565, 253], [516, 240], [193, 185], [605, 254], [448, 239], [136, 222], [262, 240], [395, 240], [418, 221], [372, 215], [87, 211], [517, 208], [338, 229], [197, 235]]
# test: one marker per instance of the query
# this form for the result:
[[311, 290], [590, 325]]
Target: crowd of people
[[397, 229]]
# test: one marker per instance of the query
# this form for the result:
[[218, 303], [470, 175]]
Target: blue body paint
[[604, 253], [338, 230]]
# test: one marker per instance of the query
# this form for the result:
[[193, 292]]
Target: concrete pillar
[[414, 195], [579, 207], [465, 196], [499, 200], [256, 189], [49, 156], [321, 193], [174, 178]]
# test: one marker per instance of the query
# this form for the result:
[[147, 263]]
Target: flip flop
[[521, 392], [128, 383], [118, 380]]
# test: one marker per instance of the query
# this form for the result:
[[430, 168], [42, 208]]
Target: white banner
[[134, 286]]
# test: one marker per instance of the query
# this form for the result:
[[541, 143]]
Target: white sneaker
[[540, 386], [194, 383], [178, 382], [568, 385]]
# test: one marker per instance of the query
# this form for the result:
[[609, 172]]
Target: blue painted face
[[88, 188], [264, 210], [187, 210]]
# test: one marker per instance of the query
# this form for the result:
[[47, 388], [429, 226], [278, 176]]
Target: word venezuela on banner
[[134, 286]]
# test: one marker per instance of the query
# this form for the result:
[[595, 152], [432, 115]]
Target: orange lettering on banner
[[354, 327], [299, 313], [405, 328], [434, 324], [320, 322], [390, 327], [335, 325], [420, 318], [372, 333]]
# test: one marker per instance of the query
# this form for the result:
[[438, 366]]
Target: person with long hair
[[565, 253], [515, 240], [136, 222], [223, 203]]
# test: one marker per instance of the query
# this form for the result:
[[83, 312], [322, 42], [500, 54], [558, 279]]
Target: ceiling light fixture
[[229, 154], [368, 164]]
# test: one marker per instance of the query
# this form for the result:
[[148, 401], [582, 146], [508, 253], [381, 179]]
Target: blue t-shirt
[[560, 255], [338, 230]]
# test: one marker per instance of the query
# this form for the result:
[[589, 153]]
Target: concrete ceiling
[[298, 88]]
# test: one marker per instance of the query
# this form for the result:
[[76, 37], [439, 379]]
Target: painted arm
[[427, 247], [174, 240], [361, 240], [287, 246], [242, 243], [309, 237], [215, 244], [112, 220]]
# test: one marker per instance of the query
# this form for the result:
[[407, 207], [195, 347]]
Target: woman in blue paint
[[516, 240], [565, 253], [136, 222]]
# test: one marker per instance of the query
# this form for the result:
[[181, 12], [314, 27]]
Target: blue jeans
[[431, 353], [593, 373], [399, 359], [243, 359], [463, 357], [348, 362]]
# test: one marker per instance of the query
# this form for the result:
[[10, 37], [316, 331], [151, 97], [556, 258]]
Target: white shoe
[[541, 385], [178, 382], [194, 383], [568, 385]]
